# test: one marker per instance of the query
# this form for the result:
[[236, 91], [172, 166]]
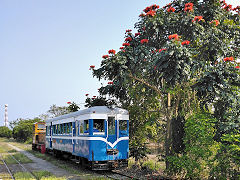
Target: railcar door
[[112, 128], [51, 130], [73, 136]]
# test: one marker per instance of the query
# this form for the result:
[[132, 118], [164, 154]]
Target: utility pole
[[6, 116]]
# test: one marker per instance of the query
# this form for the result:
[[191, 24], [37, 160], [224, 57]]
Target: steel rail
[[26, 170], [130, 177], [9, 171], [112, 174]]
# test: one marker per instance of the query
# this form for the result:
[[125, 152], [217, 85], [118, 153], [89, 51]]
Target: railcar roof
[[92, 110]]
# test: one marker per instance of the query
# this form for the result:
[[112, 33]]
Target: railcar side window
[[123, 127], [63, 130], [70, 127], [86, 126], [54, 129], [98, 126], [48, 130], [76, 126], [111, 125], [59, 130], [81, 128]]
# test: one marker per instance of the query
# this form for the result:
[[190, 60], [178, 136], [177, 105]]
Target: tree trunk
[[168, 132]]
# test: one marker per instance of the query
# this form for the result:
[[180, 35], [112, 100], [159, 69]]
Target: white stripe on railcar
[[91, 138]]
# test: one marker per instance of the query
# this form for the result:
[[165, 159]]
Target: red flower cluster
[[111, 51], [171, 9], [128, 39], [198, 18], [128, 30], [227, 7], [237, 9], [228, 59], [151, 13], [160, 50], [94, 96], [69, 102], [238, 67], [188, 7], [144, 41], [185, 42], [121, 48], [126, 44], [110, 82], [152, 7], [142, 15], [216, 22], [105, 56], [86, 94], [173, 36], [92, 66], [137, 34]]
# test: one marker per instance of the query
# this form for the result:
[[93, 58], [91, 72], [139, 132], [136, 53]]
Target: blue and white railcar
[[98, 137]]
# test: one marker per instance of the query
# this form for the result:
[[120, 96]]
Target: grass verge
[[5, 176], [23, 176], [18, 156], [46, 175], [73, 169]]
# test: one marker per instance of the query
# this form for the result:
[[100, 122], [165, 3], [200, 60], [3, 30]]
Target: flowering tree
[[184, 56]]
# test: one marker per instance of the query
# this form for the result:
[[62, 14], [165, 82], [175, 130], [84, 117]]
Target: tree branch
[[146, 83]]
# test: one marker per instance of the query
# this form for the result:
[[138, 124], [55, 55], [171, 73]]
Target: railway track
[[7, 168], [116, 175], [109, 174], [20, 165]]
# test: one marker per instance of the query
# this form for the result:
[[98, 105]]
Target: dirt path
[[40, 164]]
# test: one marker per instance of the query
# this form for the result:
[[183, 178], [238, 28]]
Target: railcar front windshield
[[41, 126], [98, 127]]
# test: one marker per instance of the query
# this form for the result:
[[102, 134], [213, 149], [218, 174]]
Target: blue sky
[[46, 48]]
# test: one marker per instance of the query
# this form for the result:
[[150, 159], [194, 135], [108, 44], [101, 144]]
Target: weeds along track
[[6, 169], [11, 168]]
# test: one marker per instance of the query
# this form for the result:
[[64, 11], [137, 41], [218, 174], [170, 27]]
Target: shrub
[[5, 132], [198, 140], [227, 160], [22, 130]]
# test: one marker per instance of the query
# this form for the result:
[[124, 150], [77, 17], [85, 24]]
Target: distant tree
[[99, 101], [44, 117], [73, 107], [5, 132], [22, 129], [56, 111]]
